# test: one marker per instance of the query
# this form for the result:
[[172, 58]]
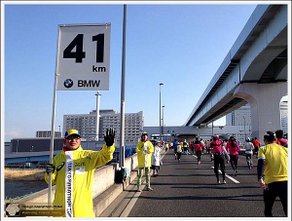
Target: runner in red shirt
[[219, 157], [256, 143], [280, 139], [198, 145], [233, 148]]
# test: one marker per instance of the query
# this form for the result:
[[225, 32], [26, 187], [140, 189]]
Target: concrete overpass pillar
[[264, 100]]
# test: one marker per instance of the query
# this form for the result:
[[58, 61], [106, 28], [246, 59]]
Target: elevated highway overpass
[[254, 71]]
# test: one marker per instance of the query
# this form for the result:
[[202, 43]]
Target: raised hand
[[109, 138]]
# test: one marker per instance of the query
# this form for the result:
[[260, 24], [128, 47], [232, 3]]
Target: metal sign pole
[[53, 122], [69, 65], [52, 137], [122, 127], [97, 115]]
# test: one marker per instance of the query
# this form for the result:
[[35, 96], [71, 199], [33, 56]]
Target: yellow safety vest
[[144, 160], [84, 164]]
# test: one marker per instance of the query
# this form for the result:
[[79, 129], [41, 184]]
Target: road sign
[[83, 57]]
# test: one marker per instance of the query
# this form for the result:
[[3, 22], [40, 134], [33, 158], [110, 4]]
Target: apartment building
[[86, 124]]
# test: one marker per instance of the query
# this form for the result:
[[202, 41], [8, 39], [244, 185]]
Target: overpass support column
[[264, 100]]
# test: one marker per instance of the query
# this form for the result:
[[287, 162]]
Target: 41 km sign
[[83, 57]]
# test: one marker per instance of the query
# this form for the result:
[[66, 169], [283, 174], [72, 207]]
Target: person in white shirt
[[156, 159], [249, 147]]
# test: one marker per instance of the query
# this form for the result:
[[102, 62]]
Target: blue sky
[[181, 45]]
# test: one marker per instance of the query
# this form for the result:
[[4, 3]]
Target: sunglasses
[[73, 138]]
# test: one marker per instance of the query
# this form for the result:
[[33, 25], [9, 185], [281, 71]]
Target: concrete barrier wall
[[105, 191], [131, 163], [103, 179]]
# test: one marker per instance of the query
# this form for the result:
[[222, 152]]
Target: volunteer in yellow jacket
[[73, 170], [144, 150]]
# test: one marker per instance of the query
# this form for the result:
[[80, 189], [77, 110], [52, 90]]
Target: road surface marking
[[229, 177], [131, 204]]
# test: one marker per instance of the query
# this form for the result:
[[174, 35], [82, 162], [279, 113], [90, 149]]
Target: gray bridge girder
[[259, 55]]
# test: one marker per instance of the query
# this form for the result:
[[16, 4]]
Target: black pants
[[234, 161], [219, 160], [275, 189], [178, 155], [199, 154]]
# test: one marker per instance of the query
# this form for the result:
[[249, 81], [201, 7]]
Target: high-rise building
[[241, 117], [86, 125], [284, 115], [47, 133]]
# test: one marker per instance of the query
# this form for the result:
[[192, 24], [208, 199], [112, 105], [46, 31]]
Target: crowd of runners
[[271, 156]]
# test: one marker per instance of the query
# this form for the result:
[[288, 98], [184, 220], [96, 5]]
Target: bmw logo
[[68, 83]]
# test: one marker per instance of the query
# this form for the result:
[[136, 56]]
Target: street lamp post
[[244, 127], [160, 127], [123, 99], [162, 124]]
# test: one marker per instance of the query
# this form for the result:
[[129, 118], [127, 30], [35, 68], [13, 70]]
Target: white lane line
[[131, 204], [229, 177], [135, 197]]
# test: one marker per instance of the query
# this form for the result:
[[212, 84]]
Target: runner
[[156, 159], [175, 143], [179, 151], [233, 148], [248, 146], [219, 157], [272, 171], [256, 143], [198, 145]]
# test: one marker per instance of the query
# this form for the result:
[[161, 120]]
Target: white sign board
[[83, 57]]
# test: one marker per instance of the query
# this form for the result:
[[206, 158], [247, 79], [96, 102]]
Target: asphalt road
[[186, 189]]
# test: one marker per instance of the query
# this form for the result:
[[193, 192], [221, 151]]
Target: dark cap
[[215, 137], [144, 133], [71, 132], [269, 136]]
